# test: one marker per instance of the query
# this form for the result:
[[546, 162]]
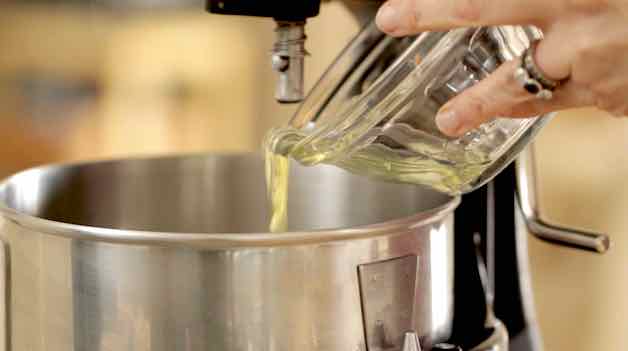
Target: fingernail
[[448, 122], [387, 18]]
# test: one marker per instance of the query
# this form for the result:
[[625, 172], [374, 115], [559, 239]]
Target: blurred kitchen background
[[110, 78]]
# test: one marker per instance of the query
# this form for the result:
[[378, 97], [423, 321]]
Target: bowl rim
[[208, 240]]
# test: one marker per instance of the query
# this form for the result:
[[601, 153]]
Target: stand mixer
[[174, 252], [493, 305]]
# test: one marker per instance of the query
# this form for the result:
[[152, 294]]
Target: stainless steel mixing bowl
[[173, 253]]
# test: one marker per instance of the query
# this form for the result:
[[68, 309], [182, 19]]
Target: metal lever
[[528, 203], [4, 294], [446, 347]]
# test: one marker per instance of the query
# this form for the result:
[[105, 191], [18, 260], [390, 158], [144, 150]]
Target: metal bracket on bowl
[[388, 290], [411, 342], [528, 204]]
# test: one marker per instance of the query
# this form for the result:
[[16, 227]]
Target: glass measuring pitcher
[[373, 111]]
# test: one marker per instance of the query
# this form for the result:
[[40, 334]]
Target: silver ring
[[532, 78]]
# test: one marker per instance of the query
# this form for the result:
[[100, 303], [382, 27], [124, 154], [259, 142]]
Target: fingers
[[554, 55], [501, 95], [481, 102], [404, 17], [568, 96]]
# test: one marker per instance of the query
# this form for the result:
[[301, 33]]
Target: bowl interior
[[206, 194]]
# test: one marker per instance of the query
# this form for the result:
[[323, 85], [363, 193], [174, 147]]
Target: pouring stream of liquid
[[277, 174]]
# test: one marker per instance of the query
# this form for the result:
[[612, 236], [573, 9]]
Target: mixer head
[[289, 52]]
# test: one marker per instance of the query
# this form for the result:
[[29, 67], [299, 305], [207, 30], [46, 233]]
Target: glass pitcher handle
[[528, 204]]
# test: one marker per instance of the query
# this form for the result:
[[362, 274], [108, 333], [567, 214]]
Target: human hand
[[585, 45]]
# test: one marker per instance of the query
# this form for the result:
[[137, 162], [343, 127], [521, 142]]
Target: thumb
[[404, 17]]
